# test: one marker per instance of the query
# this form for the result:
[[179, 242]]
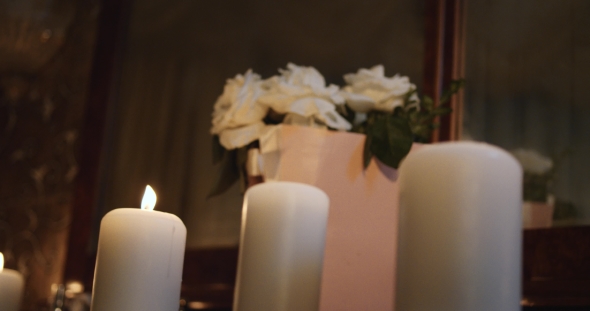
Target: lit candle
[[139, 260], [11, 288], [459, 229], [281, 247]]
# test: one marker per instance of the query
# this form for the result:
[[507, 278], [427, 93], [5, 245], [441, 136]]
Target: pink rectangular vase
[[361, 242]]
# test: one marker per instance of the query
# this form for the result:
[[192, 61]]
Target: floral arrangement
[[386, 109], [538, 174], [540, 178]]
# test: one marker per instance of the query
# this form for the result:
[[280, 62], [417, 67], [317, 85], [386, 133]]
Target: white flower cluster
[[301, 95], [532, 161]]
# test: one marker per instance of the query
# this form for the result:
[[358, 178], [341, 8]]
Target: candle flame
[[1, 261], [149, 199]]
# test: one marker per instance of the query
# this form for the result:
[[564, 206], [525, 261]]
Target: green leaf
[[454, 87], [441, 111], [346, 113], [399, 111], [427, 102], [413, 117], [427, 118], [408, 95], [391, 139], [228, 174], [218, 150], [421, 133], [359, 128]]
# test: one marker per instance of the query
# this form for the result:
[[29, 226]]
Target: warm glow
[[1, 261], [149, 199], [73, 288], [197, 305]]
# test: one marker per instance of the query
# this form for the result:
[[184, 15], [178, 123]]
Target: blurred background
[[100, 97]]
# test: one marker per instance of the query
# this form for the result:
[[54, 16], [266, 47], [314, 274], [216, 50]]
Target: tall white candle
[[139, 261], [459, 229], [281, 247], [11, 288]]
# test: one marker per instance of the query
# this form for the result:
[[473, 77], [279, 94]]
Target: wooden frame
[[104, 81], [444, 60]]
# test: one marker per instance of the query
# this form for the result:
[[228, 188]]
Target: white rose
[[302, 91], [370, 89], [532, 161], [241, 136], [237, 116], [238, 106]]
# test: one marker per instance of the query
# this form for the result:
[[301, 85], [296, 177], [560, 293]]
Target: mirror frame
[[113, 22]]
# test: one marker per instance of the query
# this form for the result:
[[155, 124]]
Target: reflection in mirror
[[527, 66]]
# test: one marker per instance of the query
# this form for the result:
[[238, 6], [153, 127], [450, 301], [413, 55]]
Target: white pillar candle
[[139, 261], [281, 247], [459, 229], [11, 288]]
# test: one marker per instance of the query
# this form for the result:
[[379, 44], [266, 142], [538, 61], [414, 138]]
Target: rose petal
[[237, 106], [305, 76], [390, 104], [359, 102], [240, 137], [304, 107], [296, 119], [335, 120]]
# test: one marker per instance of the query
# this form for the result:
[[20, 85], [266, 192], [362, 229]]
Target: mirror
[[527, 65]]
